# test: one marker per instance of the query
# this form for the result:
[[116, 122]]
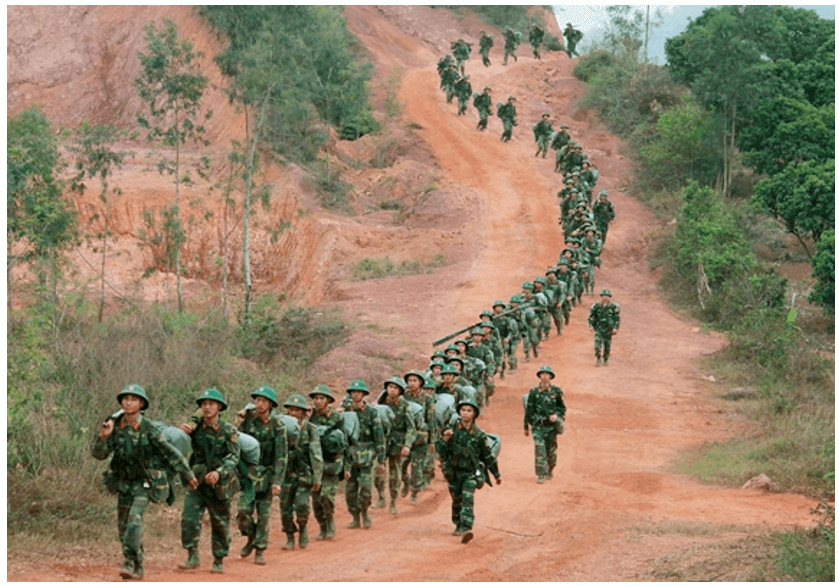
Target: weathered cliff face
[[79, 64]]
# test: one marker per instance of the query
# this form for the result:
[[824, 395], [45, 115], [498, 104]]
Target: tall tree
[[172, 84], [95, 159], [40, 222]]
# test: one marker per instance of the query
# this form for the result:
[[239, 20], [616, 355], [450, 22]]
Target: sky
[[589, 18]]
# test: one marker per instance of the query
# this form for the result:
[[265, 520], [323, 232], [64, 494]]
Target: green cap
[[296, 400], [606, 292], [358, 385], [268, 393], [323, 390], [546, 369], [213, 394], [134, 389]]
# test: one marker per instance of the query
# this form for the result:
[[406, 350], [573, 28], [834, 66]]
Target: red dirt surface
[[626, 423]]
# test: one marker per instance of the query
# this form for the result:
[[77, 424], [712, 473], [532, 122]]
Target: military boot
[[599, 362], [303, 538], [405, 489], [356, 522], [289, 543], [218, 565], [322, 534], [414, 499], [137, 575], [247, 549], [393, 509], [365, 518], [127, 569], [330, 529], [259, 557], [380, 503], [192, 561]]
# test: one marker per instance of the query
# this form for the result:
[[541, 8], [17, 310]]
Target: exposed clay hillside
[[614, 508]]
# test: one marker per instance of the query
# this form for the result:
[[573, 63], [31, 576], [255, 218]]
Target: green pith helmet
[[546, 369], [606, 292], [527, 285], [463, 340], [507, 28], [134, 389], [582, 203], [603, 193], [487, 324], [485, 313], [358, 385], [544, 114], [268, 393], [468, 402], [562, 262], [438, 353], [541, 280], [213, 394], [574, 191], [417, 373], [499, 303], [465, 76], [477, 330], [398, 381], [323, 390], [436, 364], [487, 89], [563, 126], [551, 270], [296, 400], [516, 299], [453, 347], [451, 360], [450, 369], [511, 99]]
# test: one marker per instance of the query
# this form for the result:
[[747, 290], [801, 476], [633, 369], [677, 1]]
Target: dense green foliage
[[824, 270], [314, 69]]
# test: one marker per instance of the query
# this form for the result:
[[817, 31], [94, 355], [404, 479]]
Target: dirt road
[[625, 423]]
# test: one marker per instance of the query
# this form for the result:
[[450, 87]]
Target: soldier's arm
[[560, 405], [102, 447], [378, 438], [410, 429], [488, 459], [280, 453], [315, 454]]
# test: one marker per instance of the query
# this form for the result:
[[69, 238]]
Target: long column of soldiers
[[386, 448]]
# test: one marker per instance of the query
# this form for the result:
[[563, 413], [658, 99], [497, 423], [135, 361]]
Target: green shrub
[[810, 555], [593, 64], [824, 270], [380, 268]]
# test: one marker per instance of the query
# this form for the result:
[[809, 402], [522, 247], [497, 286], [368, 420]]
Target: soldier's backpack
[[494, 444], [248, 449], [333, 441], [292, 430], [386, 417], [444, 409], [351, 427]]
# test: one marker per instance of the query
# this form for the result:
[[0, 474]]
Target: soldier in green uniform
[[605, 321], [536, 36], [303, 475], [558, 141], [507, 328], [572, 37], [592, 247], [426, 430], [557, 292], [331, 423], [138, 471], [443, 64], [538, 307], [403, 432], [365, 453], [449, 384], [430, 388], [507, 113], [565, 275], [461, 51], [449, 79], [525, 318], [542, 132], [485, 44], [545, 302], [511, 43], [478, 350], [463, 91], [483, 103], [604, 213], [544, 415], [466, 460], [214, 460], [265, 425]]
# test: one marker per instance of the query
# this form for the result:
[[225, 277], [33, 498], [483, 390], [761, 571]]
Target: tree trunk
[[178, 286]]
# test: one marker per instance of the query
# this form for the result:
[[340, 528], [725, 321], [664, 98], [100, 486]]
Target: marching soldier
[[365, 453], [544, 416], [604, 321]]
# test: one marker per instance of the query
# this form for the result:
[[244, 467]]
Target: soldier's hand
[[193, 483], [212, 477], [107, 429], [316, 487], [431, 449], [381, 468], [615, 331], [186, 427], [275, 489], [489, 379], [406, 451], [448, 434], [498, 480], [552, 418], [346, 475]]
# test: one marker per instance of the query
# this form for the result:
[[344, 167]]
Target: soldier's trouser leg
[[359, 489], [428, 466], [590, 284], [419, 455], [323, 500], [556, 314], [540, 452], [294, 499], [379, 481], [550, 449], [510, 351], [566, 311], [220, 524], [193, 512], [462, 489], [394, 466], [258, 530], [131, 505], [603, 341]]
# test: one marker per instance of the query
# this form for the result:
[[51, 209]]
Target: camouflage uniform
[[540, 405], [483, 353], [463, 91], [542, 132], [557, 292], [483, 103], [305, 469], [604, 213], [485, 44], [449, 79], [466, 459], [138, 450], [536, 37], [367, 451], [403, 433], [323, 500], [507, 328], [214, 448], [419, 451], [506, 111], [604, 319], [511, 43], [273, 459]]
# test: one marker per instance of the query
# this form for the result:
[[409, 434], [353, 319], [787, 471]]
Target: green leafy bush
[[824, 270]]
